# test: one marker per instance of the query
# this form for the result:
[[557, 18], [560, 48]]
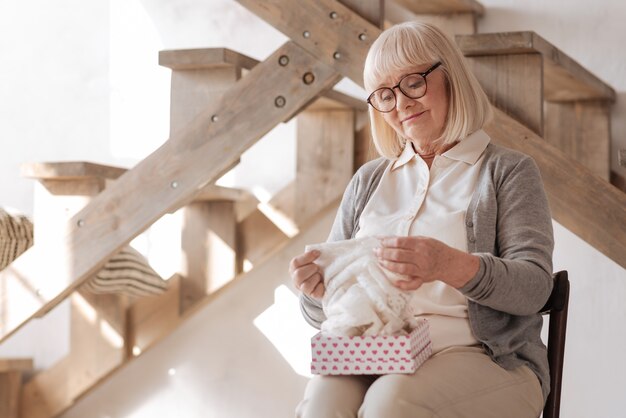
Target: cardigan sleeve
[[517, 277]]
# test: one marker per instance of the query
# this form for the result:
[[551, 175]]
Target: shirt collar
[[407, 154], [468, 150]]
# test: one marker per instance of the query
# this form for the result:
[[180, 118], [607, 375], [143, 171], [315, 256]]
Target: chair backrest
[[556, 307]]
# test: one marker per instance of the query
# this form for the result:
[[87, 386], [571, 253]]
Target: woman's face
[[419, 120]]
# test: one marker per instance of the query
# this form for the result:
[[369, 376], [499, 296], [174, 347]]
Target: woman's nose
[[402, 102]]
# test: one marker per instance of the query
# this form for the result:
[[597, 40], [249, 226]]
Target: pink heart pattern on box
[[372, 354]]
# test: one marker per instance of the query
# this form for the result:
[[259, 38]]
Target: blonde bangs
[[395, 51]]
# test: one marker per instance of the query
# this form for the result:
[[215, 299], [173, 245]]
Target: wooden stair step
[[213, 192], [66, 170], [564, 78], [200, 58], [442, 6], [71, 177], [451, 22]]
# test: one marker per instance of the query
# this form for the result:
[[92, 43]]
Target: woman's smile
[[413, 116]]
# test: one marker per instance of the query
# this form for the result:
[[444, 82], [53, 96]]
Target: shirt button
[[469, 223], [472, 238]]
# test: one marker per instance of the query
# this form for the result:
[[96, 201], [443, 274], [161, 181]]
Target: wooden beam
[[332, 32], [585, 204], [212, 58], [171, 174], [565, 79]]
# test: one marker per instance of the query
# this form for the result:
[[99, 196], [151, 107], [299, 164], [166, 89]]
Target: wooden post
[[97, 322], [199, 79], [208, 245], [325, 159], [11, 385], [514, 84], [581, 129]]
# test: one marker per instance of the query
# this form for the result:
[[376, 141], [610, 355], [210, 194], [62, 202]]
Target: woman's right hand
[[306, 275]]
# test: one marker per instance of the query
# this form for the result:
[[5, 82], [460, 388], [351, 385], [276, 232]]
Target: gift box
[[382, 354]]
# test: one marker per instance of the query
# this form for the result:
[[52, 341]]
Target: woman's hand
[[306, 275], [423, 259]]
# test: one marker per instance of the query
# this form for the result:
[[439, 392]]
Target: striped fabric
[[127, 272], [16, 236]]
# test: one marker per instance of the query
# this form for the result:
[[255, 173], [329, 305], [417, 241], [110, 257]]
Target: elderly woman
[[467, 225]]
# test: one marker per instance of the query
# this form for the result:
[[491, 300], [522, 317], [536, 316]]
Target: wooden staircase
[[534, 87]]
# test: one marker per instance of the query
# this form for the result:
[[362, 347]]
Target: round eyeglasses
[[412, 86]]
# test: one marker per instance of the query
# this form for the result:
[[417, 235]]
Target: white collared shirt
[[412, 199]]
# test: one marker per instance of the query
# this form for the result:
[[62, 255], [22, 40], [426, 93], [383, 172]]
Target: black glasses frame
[[393, 89]]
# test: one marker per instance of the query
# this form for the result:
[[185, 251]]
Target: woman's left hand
[[423, 259]]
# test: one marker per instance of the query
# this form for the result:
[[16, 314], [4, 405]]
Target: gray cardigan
[[509, 227]]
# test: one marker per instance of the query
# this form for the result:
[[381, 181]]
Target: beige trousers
[[456, 382]]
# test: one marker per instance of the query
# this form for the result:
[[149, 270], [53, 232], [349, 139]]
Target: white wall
[[80, 81]]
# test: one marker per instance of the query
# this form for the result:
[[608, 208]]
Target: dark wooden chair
[[556, 307]]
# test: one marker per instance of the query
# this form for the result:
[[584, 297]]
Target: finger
[[318, 291], [302, 259], [400, 242], [309, 286], [395, 254], [413, 283], [304, 273], [406, 269]]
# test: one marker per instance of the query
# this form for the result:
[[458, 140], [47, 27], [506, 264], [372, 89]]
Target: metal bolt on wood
[[333, 15], [283, 60], [280, 101], [362, 36], [215, 118], [80, 223], [174, 184], [337, 55], [306, 34], [308, 78]]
